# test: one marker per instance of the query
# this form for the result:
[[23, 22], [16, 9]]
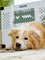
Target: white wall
[[18, 2]]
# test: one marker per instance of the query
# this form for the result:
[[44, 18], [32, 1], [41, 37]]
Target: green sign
[[22, 16]]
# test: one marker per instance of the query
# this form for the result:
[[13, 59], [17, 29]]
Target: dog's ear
[[13, 32], [35, 39], [35, 35]]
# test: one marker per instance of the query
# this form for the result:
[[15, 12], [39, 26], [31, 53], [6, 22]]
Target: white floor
[[24, 55]]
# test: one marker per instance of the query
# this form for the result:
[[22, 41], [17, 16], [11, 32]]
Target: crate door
[[7, 24]]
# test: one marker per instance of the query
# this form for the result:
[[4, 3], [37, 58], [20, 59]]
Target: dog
[[28, 36]]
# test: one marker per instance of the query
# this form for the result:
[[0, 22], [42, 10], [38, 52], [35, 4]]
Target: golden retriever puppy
[[12, 34], [29, 36]]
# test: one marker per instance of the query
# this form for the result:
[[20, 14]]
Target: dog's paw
[[9, 48]]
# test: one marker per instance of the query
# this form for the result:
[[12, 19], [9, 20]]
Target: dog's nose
[[18, 45]]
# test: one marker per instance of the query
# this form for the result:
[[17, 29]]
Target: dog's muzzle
[[18, 46]]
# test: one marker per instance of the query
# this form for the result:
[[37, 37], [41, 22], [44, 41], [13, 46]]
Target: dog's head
[[25, 38]]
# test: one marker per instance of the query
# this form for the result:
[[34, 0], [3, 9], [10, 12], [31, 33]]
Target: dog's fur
[[35, 33]]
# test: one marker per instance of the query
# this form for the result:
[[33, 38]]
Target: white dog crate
[[14, 16], [29, 12], [6, 24]]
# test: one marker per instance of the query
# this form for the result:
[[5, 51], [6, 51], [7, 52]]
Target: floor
[[23, 55]]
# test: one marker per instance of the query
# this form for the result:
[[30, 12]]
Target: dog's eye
[[25, 38], [17, 37]]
